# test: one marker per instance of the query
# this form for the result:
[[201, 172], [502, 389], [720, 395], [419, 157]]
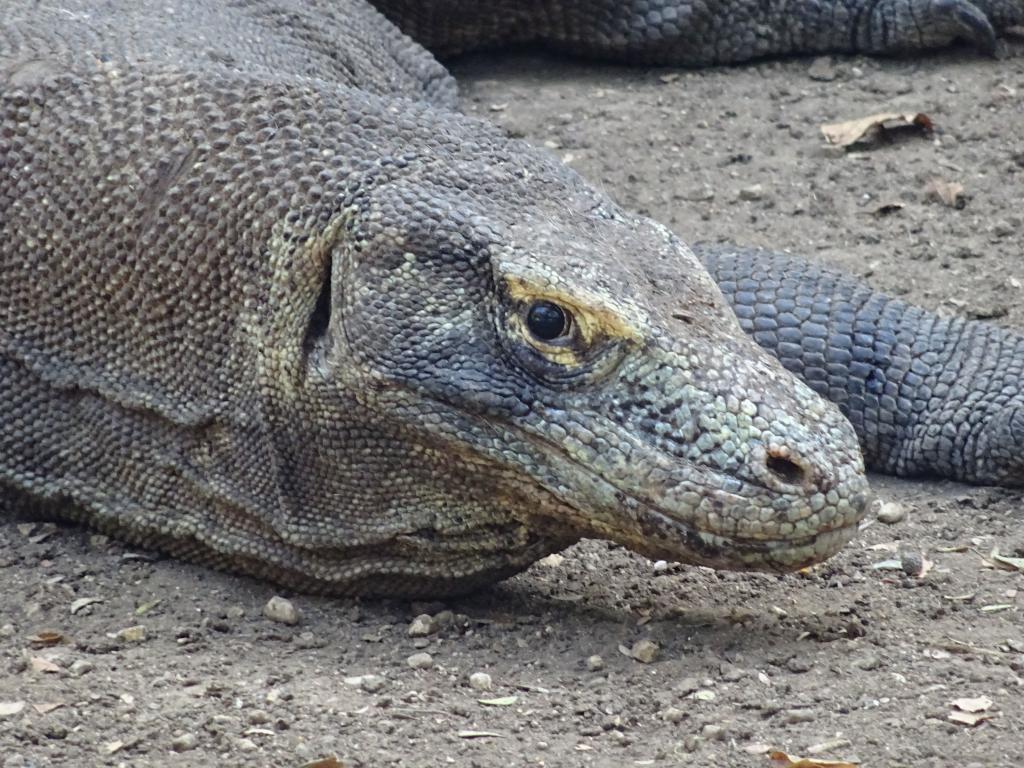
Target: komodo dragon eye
[[547, 321]]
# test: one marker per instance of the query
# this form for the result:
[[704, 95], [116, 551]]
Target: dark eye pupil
[[547, 321]]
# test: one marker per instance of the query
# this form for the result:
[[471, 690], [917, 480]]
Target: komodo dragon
[[271, 303]]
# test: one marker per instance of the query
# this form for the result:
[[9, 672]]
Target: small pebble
[[134, 634], [423, 625], [891, 513], [420, 661], [281, 610], [673, 715], [595, 663], [258, 717], [184, 742], [372, 683], [794, 716], [911, 562], [81, 667], [713, 732], [753, 192], [644, 651], [480, 681]]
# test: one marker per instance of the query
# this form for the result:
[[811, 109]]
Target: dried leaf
[[46, 639], [782, 760], [501, 701], [145, 608], [976, 704], [1011, 563], [324, 762], [83, 602], [868, 128], [949, 193], [968, 718], [39, 664], [997, 607], [888, 565], [43, 709]]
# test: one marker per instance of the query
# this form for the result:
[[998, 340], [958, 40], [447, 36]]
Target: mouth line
[[644, 506]]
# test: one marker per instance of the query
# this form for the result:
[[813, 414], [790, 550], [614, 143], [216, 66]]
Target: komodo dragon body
[[269, 302]]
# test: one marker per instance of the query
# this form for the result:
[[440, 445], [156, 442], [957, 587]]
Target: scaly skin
[[262, 311], [698, 33], [928, 395], [280, 325]]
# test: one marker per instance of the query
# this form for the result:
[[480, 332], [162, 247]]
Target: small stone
[[794, 716], [423, 625], [258, 717], [55, 731], [798, 664], [480, 681], [134, 634], [673, 715], [595, 663], [891, 513], [184, 742], [246, 745], [420, 661], [911, 562], [645, 651], [372, 683], [235, 612], [281, 610], [713, 732], [753, 192], [822, 69], [81, 667]]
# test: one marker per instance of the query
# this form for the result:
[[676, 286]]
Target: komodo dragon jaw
[[648, 417]]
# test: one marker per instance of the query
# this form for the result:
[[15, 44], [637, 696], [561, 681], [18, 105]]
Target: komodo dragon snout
[[553, 368]]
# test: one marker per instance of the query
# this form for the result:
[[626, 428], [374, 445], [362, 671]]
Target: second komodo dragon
[[269, 302]]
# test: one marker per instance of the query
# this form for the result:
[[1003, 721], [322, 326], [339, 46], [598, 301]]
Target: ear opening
[[320, 317]]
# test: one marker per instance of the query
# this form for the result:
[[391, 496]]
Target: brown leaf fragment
[[324, 762], [782, 760], [1008, 563], [46, 639], [949, 193], [43, 709], [870, 128]]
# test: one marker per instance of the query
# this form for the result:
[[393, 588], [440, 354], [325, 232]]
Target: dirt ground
[[850, 661]]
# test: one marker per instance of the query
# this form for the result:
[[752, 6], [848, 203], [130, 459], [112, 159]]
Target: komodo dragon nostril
[[786, 470]]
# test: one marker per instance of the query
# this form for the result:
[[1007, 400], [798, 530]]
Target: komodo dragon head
[[529, 365]]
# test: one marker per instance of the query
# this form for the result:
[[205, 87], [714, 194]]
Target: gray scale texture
[[928, 395], [264, 306]]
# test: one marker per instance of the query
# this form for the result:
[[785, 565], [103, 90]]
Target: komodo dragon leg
[[927, 395], [695, 33]]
